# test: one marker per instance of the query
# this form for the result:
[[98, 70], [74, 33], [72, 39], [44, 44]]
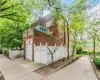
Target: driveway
[[19, 69], [79, 70]]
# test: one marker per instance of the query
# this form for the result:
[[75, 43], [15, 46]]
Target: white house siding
[[28, 53]]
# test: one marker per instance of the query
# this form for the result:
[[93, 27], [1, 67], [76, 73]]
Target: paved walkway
[[79, 70], [1, 76], [18, 70]]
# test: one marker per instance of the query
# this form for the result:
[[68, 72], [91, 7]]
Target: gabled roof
[[42, 21]]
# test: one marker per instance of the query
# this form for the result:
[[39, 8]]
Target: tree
[[64, 12], [11, 34], [52, 52], [12, 10], [14, 15], [77, 27], [93, 33], [93, 29]]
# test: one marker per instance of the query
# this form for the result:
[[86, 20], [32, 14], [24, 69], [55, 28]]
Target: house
[[43, 32]]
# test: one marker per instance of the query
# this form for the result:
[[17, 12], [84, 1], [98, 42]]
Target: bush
[[75, 54], [79, 50], [97, 53], [88, 53], [84, 51], [19, 56], [97, 61], [6, 53]]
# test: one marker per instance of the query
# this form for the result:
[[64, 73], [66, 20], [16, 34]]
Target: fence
[[42, 54], [13, 53]]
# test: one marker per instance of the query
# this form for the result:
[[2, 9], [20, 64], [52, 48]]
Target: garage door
[[29, 49]]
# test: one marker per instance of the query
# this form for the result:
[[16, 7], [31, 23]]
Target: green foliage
[[13, 22], [16, 15], [11, 34], [84, 51], [72, 17], [75, 55], [6, 53], [88, 53], [13, 10], [97, 61], [97, 53], [79, 50], [19, 56]]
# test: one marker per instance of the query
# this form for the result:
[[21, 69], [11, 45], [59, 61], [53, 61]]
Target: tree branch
[[90, 33], [13, 19], [78, 4], [62, 9], [4, 2], [65, 20], [98, 38], [9, 14], [55, 7], [6, 8], [96, 32]]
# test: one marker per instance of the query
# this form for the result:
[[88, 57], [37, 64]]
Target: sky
[[67, 1], [95, 2]]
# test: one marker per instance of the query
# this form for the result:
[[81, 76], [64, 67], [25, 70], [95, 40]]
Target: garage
[[29, 49]]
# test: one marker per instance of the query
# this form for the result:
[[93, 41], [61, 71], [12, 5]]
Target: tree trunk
[[68, 41], [73, 50], [74, 45], [94, 46], [20, 46], [67, 36], [64, 36]]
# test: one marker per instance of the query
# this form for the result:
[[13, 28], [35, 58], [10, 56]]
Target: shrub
[[88, 53], [79, 50], [19, 56], [84, 51], [97, 53], [97, 61], [6, 53], [75, 54]]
